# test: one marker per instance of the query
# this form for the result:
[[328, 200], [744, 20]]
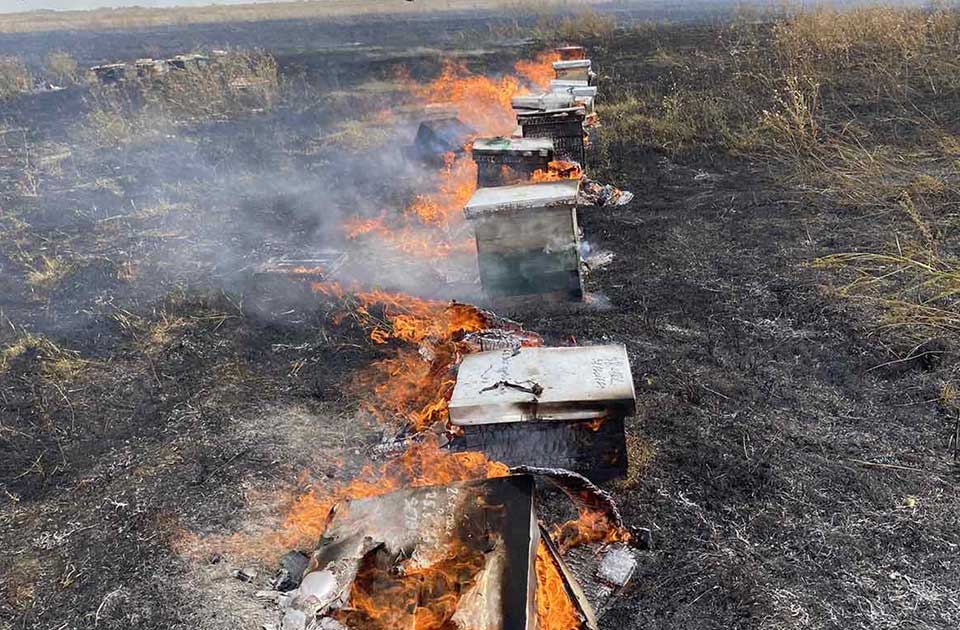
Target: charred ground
[[794, 465]]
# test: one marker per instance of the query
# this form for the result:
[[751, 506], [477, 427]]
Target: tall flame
[[415, 383]]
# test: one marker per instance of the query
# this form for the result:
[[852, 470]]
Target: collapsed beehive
[[528, 241], [547, 407], [461, 556], [504, 161]]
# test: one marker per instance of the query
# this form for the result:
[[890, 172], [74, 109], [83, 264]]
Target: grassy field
[[850, 109]]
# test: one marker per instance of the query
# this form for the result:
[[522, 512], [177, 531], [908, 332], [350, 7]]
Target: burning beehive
[[461, 556], [575, 69], [528, 240], [441, 136], [563, 126], [503, 161], [547, 407]]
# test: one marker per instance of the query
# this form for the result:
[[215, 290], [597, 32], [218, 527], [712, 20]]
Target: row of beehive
[[524, 214], [544, 407]]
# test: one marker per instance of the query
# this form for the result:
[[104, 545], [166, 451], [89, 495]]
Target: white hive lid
[[503, 144], [572, 63], [487, 201], [564, 85], [556, 99], [543, 384]]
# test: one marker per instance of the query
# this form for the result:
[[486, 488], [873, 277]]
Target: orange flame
[[484, 102], [538, 72], [588, 528], [458, 182], [556, 171], [423, 229], [555, 611], [416, 382]]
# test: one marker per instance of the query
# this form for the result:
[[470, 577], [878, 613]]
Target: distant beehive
[[503, 161], [112, 72], [150, 68], [528, 241], [563, 126], [195, 61]]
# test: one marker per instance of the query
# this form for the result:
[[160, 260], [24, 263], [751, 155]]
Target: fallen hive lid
[[540, 384], [521, 146], [503, 199]]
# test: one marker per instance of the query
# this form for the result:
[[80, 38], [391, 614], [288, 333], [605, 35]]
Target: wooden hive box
[[528, 241], [575, 69], [563, 126], [504, 161], [547, 407], [568, 53]]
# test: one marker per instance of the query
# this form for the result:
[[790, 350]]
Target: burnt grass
[[793, 471]]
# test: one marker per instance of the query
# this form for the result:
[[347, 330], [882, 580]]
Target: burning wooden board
[[460, 556], [528, 241], [547, 407]]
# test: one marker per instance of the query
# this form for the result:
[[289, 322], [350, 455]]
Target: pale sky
[[12, 6]]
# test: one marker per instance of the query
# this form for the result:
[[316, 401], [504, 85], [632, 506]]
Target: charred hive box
[[528, 241], [563, 126], [568, 53], [576, 69], [435, 138], [503, 161], [462, 555], [547, 407]]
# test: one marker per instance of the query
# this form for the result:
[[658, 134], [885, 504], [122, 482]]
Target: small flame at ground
[[588, 528]]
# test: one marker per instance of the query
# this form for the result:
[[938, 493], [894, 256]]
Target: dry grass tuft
[[14, 77], [57, 364], [47, 272], [61, 68]]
